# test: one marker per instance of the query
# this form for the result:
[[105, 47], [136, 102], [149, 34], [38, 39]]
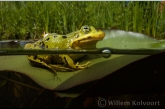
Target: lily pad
[[99, 68], [120, 39]]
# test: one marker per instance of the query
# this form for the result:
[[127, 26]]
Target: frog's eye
[[64, 36], [86, 28], [54, 36]]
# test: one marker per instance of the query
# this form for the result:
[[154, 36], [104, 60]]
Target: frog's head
[[86, 38]]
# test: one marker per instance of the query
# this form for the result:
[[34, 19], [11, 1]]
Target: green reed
[[22, 18]]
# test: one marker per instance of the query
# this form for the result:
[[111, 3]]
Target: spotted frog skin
[[85, 38]]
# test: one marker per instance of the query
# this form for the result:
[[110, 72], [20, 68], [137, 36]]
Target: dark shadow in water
[[143, 76]]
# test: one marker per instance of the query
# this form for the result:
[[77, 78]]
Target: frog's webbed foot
[[69, 62], [82, 66], [40, 62], [54, 77]]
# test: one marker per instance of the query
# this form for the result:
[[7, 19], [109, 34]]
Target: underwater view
[[105, 54]]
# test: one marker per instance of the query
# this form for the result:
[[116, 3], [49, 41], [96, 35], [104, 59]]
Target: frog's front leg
[[68, 61]]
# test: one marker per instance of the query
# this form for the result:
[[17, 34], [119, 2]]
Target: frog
[[85, 38]]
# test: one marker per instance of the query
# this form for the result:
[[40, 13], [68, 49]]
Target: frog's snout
[[101, 34]]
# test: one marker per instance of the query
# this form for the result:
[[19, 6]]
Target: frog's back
[[56, 41]]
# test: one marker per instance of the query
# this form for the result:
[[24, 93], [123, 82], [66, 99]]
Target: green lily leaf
[[99, 68], [120, 39]]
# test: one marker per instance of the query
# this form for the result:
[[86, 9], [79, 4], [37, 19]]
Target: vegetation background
[[30, 19]]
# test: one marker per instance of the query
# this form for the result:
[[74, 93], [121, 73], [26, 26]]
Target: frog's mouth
[[88, 40]]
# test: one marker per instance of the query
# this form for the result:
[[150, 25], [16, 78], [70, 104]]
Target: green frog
[[85, 38]]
